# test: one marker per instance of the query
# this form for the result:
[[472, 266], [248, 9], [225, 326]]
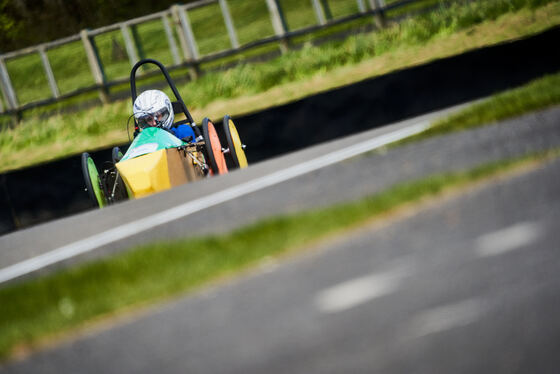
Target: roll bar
[[179, 104]]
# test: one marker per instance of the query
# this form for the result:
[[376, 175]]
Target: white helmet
[[153, 108]]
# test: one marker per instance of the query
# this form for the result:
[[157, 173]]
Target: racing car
[[156, 160]]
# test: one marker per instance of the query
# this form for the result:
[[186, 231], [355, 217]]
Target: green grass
[[38, 138], [30, 83], [57, 303], [297, 65], [251, 19]]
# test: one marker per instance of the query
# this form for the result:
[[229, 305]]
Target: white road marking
[[445, 318], [508, 239], [183, 210], [358, 291]]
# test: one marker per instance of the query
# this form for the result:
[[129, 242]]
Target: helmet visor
[[156, 119]]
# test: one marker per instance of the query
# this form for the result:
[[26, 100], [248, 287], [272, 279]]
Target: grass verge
[[36, 310], [252, 87]]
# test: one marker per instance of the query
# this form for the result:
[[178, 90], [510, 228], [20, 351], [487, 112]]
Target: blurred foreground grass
[[35, 311], [250, 87]]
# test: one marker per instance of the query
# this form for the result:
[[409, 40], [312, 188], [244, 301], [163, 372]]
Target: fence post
[[229, 24], [129, 45], [278, 23], [322, 11], [361, 6], [379, 16], [182, 39], [137, 42], [7, 88], [186, 37], [49, 72], [95, 65], [171, 40]]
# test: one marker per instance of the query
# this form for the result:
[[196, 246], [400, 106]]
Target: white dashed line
[[445, 318], [360, 290], [508, 239]]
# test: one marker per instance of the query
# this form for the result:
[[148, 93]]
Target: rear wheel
[[213, 147], [236, 148], [116, 188], [116, 155], [93, 182]]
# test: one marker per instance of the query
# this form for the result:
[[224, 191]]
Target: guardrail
[[176, 25]]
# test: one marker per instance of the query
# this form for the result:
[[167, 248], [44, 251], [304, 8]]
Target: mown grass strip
[[538, 94], [252, 22], [57, 303], [250, 87]]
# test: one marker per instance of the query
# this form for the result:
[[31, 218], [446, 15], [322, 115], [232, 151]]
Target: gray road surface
[[469, 285], [351, 179]]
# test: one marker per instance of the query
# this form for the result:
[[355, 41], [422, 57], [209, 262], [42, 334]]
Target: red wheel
[[213, 147]]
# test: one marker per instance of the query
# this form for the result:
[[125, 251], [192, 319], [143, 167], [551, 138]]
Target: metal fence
[[172, 30]]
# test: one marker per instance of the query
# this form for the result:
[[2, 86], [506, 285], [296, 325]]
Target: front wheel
[[236, 148], [93, 182], [213, 147], [116, 155]]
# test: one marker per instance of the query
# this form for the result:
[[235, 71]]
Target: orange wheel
[[213, 147]]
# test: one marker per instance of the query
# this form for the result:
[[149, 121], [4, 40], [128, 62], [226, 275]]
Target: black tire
[[91, 178], [116, 155], [121, 193], [236, 149], [213, 147]]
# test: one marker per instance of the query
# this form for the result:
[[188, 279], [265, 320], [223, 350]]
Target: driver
[[153, 108]]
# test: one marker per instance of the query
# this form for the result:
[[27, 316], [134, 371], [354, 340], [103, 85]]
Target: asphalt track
[[117, 228], [465, 285], [322, 117]]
